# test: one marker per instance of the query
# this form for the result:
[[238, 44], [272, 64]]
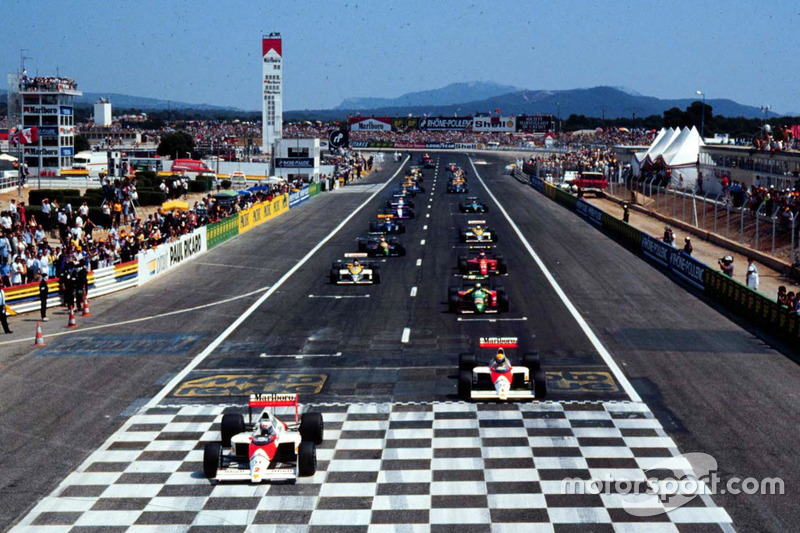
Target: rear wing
[[273, 400], [498, 342], [472, 222], [356, 254], [384, 215]]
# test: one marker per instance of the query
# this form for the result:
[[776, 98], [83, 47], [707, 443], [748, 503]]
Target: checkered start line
[[385, 467]]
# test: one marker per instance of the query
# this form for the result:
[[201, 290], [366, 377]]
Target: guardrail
[[750, 304]]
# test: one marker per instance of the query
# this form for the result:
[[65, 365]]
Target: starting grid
[[386, 467]]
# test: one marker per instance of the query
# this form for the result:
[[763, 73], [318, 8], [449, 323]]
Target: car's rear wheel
[[376, 275], [502, 266], [373, 226], [462, 264], [531, 361], [307, 459], [312, 427], [465, 384], [212, 459], [494, 237], [502, 301], [401, 250], [334, 277], [453, 300], [232, 424], [539, 384], [466, 361]]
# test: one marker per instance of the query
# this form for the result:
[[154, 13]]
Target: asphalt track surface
[[714, 386]]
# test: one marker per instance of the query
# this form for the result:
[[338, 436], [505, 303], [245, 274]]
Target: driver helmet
[[356, 263], [482, 254], [383, 238], [478, 227], [500, 358], [266, 426], [478, 285]]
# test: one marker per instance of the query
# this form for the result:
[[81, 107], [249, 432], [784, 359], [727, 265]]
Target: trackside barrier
[[221, 231], [25, 298], [165, 257], [298, 196], [738, 298], [314, 189], [261, 212]]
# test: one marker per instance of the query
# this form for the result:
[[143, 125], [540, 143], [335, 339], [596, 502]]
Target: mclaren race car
[[477, 232], [352, 271], [472, 205], [387, 224], [482, 264], [500, 379], [477, 297], [379, 245], [264, 449]]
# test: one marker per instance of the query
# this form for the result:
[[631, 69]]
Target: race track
[[391, 407]]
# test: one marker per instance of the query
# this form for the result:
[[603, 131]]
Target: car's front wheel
[[312, 427], [307, 459], [212, 459]]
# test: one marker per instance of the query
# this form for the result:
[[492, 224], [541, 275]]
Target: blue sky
[[204, 51]]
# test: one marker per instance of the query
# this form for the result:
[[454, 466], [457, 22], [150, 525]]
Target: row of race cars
[[481, 293], [263, 448]]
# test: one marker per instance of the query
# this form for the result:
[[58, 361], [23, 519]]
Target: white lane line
[[419, 262], [338, 297], [489, 319], [250, 310], [601, 349], [425, 227], [142, 319], [300, 355], [422, 242], [428, 215], [413, 292], [406, 335]]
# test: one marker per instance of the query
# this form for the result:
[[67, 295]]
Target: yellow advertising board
[[261, 212]]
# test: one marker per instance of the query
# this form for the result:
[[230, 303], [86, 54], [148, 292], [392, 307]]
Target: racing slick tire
[[362, 246], [531, 360], [312, 427], [376, 275], [232, 424], [401, 250], [462, 208], [373, 226], [306, 459], [494, 237], [466, 361], [502, 266], [462, 264], [462, 237], [465, 384], [453, 301], [502, 301], [334, 276], [212, 459], [539, 384]]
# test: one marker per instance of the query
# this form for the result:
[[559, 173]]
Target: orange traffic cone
[[86, 311], [39, 340], [71, 323]]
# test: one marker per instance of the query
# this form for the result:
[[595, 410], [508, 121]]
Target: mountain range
[[466, 99]]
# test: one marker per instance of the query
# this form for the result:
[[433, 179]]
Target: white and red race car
[[246, 453], [507, 382]]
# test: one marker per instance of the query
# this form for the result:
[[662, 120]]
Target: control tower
[[272, 82]]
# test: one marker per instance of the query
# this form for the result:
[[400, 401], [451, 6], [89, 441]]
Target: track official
[[3, 318]]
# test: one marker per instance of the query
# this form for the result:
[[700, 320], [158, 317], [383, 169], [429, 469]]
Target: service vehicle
[[354, 271], [590, 182], [500, 379], [265, 449]]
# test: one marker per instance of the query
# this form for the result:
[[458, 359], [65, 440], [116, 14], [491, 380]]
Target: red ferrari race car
[[265, 449], [482, 264], [474, 297], [500, 380]]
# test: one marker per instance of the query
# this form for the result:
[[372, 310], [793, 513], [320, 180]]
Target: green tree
[[176, 144], [81, 143]]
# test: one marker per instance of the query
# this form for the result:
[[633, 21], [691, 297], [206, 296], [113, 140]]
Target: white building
[[297, 158], [102, 112], [272, 82], [47, 104]]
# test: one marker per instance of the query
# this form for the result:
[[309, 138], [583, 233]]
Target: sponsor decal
[[66, 111], [440, 146], [246, 384], [440, 123], [589, 212], [41, 109], [185, 249], [493, 124], [67, 151], [294, 162], [688, 268], [47, 131], [656, 250], [535, 123], [537, 183], [581, 381], [48, 152], [371, 124], [359, 144]]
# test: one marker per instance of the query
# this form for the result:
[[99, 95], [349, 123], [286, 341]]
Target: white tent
[[661, 143], [7, 157]]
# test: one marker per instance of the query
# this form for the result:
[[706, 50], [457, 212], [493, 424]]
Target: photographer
[[726, 265]]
